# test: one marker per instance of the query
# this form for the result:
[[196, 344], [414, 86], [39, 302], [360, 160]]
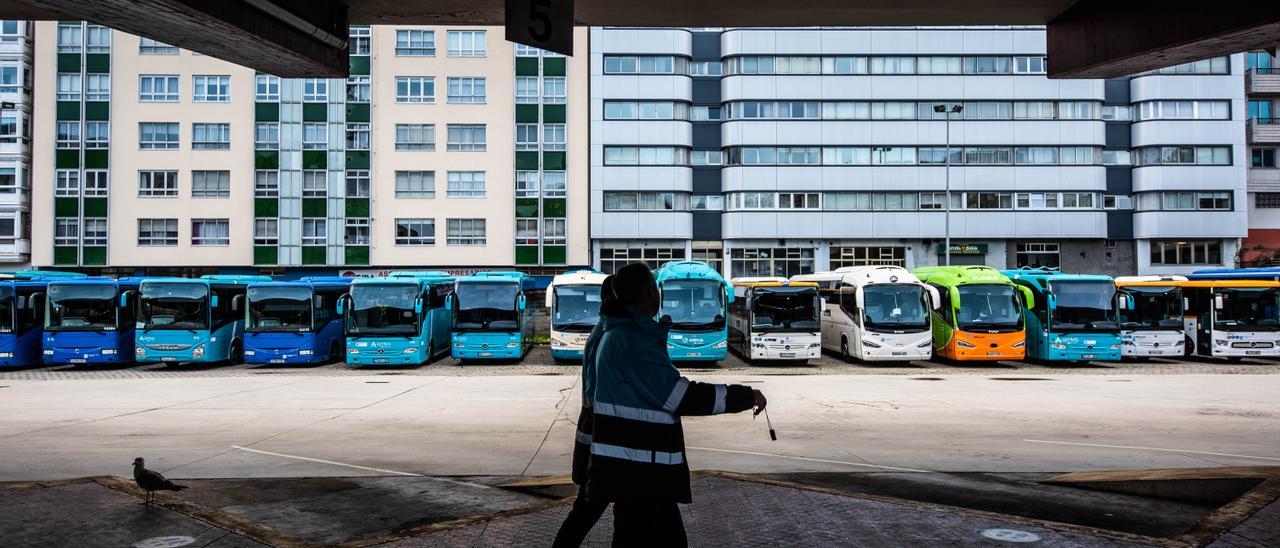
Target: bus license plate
[[381, 360], [897, 353], [694, 354], [168, 359], [1253, 352], [486, 354], [79, 360], [786, 354], [993, 353], [1090, 356], [277, 360]]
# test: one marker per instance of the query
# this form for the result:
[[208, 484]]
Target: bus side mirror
[[521, 302], [36, 300], [236, 302], [213, 301], [1218, 302], [317, 301], [1122, 301], [1129, 302], [124, 300], [341, 307], [417, 306], [1028, 299], [448, 301], [1186, 303], [935, 298]]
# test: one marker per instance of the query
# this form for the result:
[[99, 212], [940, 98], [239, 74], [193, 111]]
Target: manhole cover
[[926, 378], [1010, 535], [165, 542]]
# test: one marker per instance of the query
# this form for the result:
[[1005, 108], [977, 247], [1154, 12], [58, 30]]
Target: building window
[[147, 46], [68, 135], [158, 135], [359, 39], [315, 90], [988, 200], [868, 256], [644, 64], [210, 232], [553, 90], [645, 201], [706, 68], [1267, 200], [315, 183], [799, 200], [553, 231], [157, 184], [415, 43], [415, 232], [358, 183], [68, 87], [710, 202], [553, 184], [97, 87], [466, 43], [210, 184], [1262, 157], [266, 88], [645, 156], [95, 232], [1215, 65], [13, 31], [97, 39], [415, 89], [526, 89], [9, 129], [527, 184], [266, 183], [266, 136], [1029, 65], [210, 136], [526, 232], [358, 88], [66, 232], [315, 135], [466, 137], [357, 231], [1173, 201], [464, 232], [158, 88], [1037, 255], [96, 182], [157, 232], [706, 158], [1184, 110], [415, 184], [97, 134], [1184, 155], [211, 89], [314, 232], [9, 80], [526, 136], [465, 184], [266, 231], [1184, 252], [415, 137], [8, 230], [466, 89], [705, 114], [70, 38], [771, 261], [613, 258], [357, 136], [553, 137], [66, 183], [8, 180], [879, 65]]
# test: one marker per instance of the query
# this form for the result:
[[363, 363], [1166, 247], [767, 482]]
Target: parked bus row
[[871, 313]]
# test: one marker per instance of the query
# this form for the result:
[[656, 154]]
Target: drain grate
[[1020, 379], [926, 378]]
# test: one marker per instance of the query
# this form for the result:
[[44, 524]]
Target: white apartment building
[[15, 143]]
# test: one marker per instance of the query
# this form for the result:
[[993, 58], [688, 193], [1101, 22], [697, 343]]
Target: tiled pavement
[[1260, 530]]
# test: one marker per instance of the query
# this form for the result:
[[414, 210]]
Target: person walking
[[637, 453]]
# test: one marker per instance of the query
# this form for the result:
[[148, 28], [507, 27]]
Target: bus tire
[[844, 349], [334, 352], [236, 356]]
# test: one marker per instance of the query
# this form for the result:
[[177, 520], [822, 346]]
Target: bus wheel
[[334, 352], [236, 355], [431, 350], [844, 349]]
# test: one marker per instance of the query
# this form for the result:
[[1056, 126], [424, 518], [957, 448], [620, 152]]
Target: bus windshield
[[693, 304], [894, 307], [175, 306], [82, 307], [1153, 308], [484, 306], [279, 308], [784, 309], [1083, 306], [384, 309], [1249, 310], [6, 310], [577, 307], [989, 307]]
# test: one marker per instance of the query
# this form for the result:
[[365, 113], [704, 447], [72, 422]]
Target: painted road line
[[1161, 449], [322, 461], [862, 464]]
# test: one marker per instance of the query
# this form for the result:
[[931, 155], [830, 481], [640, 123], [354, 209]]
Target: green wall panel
[[69, 110], [66, 207], [527, 114], [553, 254], [266, 112], [357, 255], [266, 159], [315, 112], [357, 207], [357, 159], [315, 159], [358, 64], [97, 111], [95, 207], [526, 254], [64, 254], [357, 112], [95, 159], [68, 62], [553, 66], [526, 66], [526, 160], [553, 114], [553, 207], [526, 207], [313, 254], [95, 255], [67, 159], [265, 254], [553, 160], [97, 62], [314, 207], [266, 207]]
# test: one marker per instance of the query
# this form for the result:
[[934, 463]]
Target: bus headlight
[[513, 344], [108, 351], [925, 344], [353, 351], [963, 344], [1057, 346], [814, 345], [139, 351], [48, 352], [1019, 344], [870, 344], [757, 345], [409, 350], [459, 345], [670, 346], [1219, 342], [557, 343], [198, 351], [722, 344], [300, 352], [1115, 347]]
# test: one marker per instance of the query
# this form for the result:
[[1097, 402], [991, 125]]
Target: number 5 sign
[[545, 24]]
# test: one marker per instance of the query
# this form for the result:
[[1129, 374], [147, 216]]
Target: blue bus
[[1269, 273], [493, 319], [22, 295], [192, 319], [294, 322], [90, 321], [1073, 316], [695, 299], [402, 319]]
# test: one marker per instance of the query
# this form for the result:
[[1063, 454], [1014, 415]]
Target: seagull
[[151, 481]]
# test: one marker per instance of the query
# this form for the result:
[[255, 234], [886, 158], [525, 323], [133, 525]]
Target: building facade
[[15, 143], [447, 148], [784, 151], [1262, 132]]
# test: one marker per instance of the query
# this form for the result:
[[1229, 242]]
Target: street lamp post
[[955, 108]]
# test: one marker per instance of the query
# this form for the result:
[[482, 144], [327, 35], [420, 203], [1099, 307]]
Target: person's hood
[[629, 317]]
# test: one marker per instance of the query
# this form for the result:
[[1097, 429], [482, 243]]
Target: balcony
[[1264, 179], [1262, 81], [1264, 130]]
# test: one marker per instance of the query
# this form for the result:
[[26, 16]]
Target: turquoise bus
[[1073, 316], [695, 299], [90, 320], [402, 319], [493, 319], [192, 319], [294, 322], [22, 295]]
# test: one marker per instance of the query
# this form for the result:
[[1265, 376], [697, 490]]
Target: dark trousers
[[648, 523], [582, 517]]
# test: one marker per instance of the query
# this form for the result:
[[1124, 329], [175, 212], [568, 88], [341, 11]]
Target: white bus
[[1151, 316], [875, 313], [774, 319], [574, 301]]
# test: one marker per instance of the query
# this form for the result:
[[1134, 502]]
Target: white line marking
[[1154, 449], [508, 399], [322, 461], [809, 459]]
